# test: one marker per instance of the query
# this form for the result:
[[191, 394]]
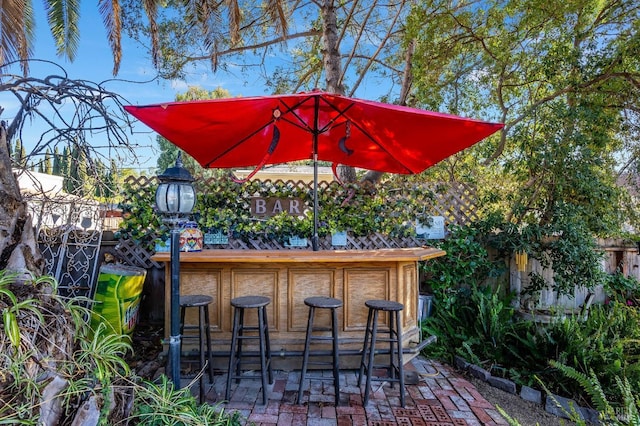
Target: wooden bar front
[[290, 276]]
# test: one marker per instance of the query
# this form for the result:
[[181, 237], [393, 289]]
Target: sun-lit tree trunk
[[18, 249], [333, 68]]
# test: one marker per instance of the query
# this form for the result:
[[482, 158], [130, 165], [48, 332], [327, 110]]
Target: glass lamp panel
[[161, 198], [187, 198], [175, 198]]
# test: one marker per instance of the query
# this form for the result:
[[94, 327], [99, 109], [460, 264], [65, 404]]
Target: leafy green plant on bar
[[225, 206]]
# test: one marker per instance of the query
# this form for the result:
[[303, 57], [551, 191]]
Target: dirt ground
[[525, 412]]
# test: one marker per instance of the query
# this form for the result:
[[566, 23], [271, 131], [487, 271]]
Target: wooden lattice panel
[[454, 201], [130, 253]]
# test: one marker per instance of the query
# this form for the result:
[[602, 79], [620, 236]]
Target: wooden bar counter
[[290, 276]]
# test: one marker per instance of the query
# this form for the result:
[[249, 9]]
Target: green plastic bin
[[117, 298]]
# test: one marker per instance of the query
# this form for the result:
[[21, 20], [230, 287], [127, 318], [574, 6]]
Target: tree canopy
[[565, 80], [288, 45]]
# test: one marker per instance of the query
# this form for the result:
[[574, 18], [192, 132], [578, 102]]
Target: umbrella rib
[[364, 132], [341, 113], [302, 124], [375, 141], [235, 145]]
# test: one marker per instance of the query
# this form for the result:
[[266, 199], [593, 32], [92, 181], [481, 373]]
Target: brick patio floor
[[440, 398]]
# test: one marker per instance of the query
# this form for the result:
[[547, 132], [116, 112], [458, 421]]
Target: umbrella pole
[[315, 238]]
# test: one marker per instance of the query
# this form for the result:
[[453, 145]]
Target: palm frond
[[16, 37], [276, 9], [63, 18], [151, 10], [111, 17], [235, 17]]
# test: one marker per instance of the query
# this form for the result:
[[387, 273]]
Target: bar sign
[[271, 206]]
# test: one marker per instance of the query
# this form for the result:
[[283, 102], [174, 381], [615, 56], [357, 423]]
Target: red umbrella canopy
[[249, 131]]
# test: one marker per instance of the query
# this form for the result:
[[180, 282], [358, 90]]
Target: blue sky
[[94, 62]]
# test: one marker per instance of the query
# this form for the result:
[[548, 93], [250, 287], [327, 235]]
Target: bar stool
[[395, 371], [238, 335], [314, 303], [201, 302]]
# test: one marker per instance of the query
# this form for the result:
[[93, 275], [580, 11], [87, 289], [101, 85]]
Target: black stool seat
[[384, 305], [201, 302], [395, 367], [193, 300], [250, 302], [238, 336], [321, 302]]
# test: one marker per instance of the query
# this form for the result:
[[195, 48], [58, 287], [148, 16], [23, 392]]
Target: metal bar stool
[[237, 337], [321, 303], [395, 370], [201, 302]]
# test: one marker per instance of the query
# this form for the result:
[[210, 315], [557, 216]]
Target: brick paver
[[440, 398]]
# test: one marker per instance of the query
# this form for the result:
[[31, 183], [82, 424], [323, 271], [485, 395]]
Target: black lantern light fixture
[[175, 198]]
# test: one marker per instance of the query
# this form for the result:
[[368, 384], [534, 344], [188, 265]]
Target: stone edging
[[554, 404]]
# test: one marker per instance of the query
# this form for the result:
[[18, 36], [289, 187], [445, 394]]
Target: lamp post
[[175, 198]]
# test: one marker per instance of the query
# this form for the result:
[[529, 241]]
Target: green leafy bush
[[475, 320], [224, 205], [48, 341], [607, 342], [472, 323], [624, 411], [140, 223], [466, 263], [622, 289], [479, 325]]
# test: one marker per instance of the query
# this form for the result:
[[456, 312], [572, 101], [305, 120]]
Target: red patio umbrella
[[255, 131]]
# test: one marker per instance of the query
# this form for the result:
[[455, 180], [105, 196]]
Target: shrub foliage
[[474, 317]]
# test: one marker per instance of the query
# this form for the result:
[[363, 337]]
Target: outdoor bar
[[287, 277], [317, 126]]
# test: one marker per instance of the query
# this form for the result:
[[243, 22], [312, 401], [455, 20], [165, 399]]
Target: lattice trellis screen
[[454, 201]]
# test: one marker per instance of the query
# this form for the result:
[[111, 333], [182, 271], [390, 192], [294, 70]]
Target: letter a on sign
[[277, 207]]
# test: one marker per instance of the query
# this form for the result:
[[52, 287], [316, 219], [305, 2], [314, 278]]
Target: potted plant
[[289, 230], [217, 223]]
